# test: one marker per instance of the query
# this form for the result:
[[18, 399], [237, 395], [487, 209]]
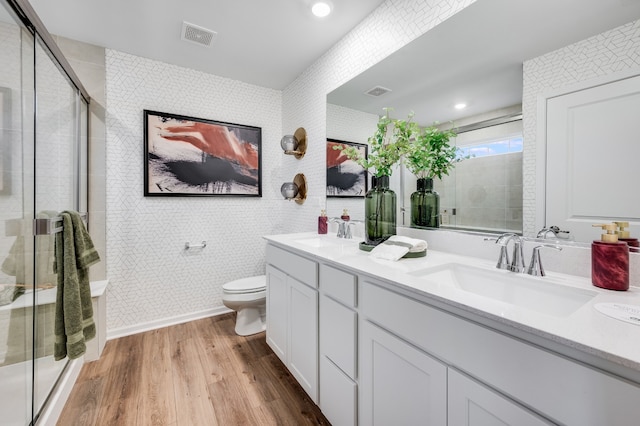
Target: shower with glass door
[[43, 151]]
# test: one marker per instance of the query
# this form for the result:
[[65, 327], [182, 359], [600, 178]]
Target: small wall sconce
[[295, 144], [296, 190]]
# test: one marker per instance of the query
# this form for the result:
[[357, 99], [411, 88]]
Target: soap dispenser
[[345, 215], [610, 260], [624, 236], [322, 222]]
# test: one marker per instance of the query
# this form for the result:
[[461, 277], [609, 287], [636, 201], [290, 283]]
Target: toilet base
[[250, 321]]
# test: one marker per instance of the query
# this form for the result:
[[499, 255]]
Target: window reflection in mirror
[[484, 192]]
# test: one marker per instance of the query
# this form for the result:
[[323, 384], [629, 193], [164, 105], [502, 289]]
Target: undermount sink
[[537, 294]]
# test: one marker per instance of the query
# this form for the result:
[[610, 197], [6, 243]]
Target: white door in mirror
[[592, 156]]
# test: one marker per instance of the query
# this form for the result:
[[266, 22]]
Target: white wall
[[607, 53], [153, 280]]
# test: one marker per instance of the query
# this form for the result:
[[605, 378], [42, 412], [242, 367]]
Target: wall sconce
[[295, 144], [296, 190]]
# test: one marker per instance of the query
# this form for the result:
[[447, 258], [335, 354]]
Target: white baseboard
[[165, 322], [58, 398]]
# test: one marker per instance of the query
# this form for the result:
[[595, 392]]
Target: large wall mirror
[[476, 57]]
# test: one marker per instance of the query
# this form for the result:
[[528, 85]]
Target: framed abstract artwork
[[188, 156], [345, 178]]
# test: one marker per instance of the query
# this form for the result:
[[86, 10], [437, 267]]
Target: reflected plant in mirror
[[387, 145], [427, 157]]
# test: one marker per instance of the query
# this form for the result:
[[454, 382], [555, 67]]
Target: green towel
[[75, 253]]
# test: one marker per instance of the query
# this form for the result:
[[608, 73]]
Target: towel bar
[[49, 227], [188, 245]]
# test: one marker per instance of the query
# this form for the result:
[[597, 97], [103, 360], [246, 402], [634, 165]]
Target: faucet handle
[[517, 260], [503, 259], [535, 266]]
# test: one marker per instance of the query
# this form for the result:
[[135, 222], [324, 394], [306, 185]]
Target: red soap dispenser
[[322, 222], [610, 260], [624, 236]]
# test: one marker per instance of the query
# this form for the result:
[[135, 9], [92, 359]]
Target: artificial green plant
[[431, 155]]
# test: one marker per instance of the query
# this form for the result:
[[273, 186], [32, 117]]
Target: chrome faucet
[[535, 266], [516, 264], [551, 232], [344, 227]]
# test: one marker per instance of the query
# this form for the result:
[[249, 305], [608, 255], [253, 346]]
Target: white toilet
[[247, 296]]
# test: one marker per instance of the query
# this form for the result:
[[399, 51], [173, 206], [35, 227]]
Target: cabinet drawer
[[560, 388], [338, 394], [298, 267], [338, 284], [338, 325]]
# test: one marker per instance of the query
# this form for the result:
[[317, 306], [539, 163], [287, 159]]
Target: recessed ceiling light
[[460, 105], [321, 9]]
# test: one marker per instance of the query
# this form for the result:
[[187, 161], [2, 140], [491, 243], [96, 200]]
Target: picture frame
[[189, 156], [345, 178], [5, 141]]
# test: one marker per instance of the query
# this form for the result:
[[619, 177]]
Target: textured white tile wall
[[612, 51], [348, 125], [151, 276], [12, 202], [391, 26]]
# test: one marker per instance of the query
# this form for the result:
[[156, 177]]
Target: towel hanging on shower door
[[75, 253]]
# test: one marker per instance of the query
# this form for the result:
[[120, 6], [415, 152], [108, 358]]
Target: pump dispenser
[[624, 236], [345, 215], [610, 260], [322, 222]]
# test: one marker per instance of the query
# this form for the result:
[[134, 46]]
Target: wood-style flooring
[[197, 373]]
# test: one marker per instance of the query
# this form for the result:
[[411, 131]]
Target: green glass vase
[[425, 205], [380, 211]]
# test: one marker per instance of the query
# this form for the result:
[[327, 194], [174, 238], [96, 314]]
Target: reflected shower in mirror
[[483, 193]]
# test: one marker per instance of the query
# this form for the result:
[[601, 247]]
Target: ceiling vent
[[377, 91], [198, 35]]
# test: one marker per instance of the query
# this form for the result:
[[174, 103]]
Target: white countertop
[[586, 329]]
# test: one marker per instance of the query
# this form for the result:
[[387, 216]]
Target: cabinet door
[[338, 394], [303, 336], [277, 312], [399, 384], [338, 335], [473, 404]]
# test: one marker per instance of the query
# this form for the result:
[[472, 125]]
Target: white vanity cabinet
[[292, 315], [372, 350], [517, 382], [338, 345]]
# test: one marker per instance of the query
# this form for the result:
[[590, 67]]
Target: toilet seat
[[246, 285]]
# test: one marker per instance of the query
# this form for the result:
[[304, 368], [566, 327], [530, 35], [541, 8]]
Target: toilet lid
[[246, 285]]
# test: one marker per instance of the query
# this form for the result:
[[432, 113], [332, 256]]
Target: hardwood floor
[[197, 373]]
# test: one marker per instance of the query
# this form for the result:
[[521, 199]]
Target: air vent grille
[[377, 91], [196, 34]]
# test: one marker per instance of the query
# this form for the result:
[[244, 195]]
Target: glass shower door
[[57, 152], [16, 218]]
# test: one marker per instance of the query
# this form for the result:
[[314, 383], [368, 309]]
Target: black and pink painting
[[187, 156], [345, 177]]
